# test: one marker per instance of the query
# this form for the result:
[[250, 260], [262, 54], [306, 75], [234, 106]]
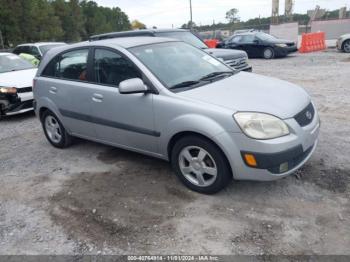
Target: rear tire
[[200, 165], [54, 131], [346, 46], [269, 53]]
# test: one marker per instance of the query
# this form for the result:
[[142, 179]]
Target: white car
[[36, 49], [16, 81], [343, 43]]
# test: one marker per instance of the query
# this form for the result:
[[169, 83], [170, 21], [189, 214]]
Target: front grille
[[306, 116], [24, 89], [236, 63]]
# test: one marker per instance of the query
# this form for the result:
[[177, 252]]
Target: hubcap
[[268, 53], [347, 47], [53, 129], [197, 166]]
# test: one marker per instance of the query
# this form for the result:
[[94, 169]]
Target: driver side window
[[111, 68]]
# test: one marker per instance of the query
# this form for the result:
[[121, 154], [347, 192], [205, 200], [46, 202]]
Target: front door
[[122, 119]]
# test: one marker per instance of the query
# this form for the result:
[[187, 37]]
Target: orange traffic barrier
[[313, 42], [211, 43]]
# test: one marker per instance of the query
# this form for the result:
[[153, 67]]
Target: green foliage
[[137, 25], [57, 20], [232, 15]]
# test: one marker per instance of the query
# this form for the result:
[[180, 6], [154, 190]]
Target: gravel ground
[[93, 199]]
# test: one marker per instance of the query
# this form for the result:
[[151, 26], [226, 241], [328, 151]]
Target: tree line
[[261, 23], [57, 20]]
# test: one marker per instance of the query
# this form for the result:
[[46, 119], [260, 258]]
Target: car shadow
[[18, 117]]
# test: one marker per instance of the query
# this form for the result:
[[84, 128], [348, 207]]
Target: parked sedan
[[234, 58], [16, 79], [259, 44], [170, 100], [343, 43]]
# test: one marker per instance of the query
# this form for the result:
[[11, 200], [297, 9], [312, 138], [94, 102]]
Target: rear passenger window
[[111, 68], [71, 65], [248, 39]]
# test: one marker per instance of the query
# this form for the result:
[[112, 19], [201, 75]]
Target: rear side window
[[71, 65], [247, 39], [236, 39], [111, 68]]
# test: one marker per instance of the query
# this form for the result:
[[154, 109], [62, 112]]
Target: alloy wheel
[[347, 46], [268, 53], [197, 166], [53, 129]]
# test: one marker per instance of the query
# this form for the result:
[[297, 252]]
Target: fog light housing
[[284, 167]]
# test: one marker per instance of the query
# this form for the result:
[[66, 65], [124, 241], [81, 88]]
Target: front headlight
[[260, 125], [281, 45], [8, 90]]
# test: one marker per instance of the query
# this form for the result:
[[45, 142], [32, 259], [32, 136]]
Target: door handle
[[97, 98], [53, 90]]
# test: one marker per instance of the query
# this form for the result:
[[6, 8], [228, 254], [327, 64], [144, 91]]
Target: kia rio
[[173, 101]]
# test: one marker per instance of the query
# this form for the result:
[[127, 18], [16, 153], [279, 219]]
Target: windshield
[[45, 48], [177, 62], [265, 37], [9, 63], [186, 36]]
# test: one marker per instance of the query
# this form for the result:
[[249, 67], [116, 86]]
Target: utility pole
[[191, 14]]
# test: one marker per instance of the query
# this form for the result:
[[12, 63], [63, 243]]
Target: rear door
[[65, 83], [249, 45], [122, 119]]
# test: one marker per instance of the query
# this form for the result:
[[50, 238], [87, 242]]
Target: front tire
[[200, 165], [346, 46], [269, 53], [54, 131]]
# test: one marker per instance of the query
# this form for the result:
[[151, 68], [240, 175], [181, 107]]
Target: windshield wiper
[[215, 74], [185, 84]]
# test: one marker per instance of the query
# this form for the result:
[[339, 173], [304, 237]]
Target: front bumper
[[284, 51], [294, 149], [16, 104]]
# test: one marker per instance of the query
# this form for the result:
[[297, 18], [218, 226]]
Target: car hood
[[18, 79], [251, 92], [226, 54]]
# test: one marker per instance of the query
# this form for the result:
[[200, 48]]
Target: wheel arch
[[343, 44], [176, 137]]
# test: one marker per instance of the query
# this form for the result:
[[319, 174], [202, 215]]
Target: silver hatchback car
[[170, 100]]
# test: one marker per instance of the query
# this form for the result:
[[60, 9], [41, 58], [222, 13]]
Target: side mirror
[[256, 41], [132, 86]]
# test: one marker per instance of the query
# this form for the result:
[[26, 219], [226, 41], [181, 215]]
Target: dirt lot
[[94, 199]]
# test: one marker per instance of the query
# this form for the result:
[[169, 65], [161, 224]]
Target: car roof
[[124, 42], [42, 43], [142, 32], [246, 33], [6, 53]]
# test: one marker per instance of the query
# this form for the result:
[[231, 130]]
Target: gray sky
[[165, 13]]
